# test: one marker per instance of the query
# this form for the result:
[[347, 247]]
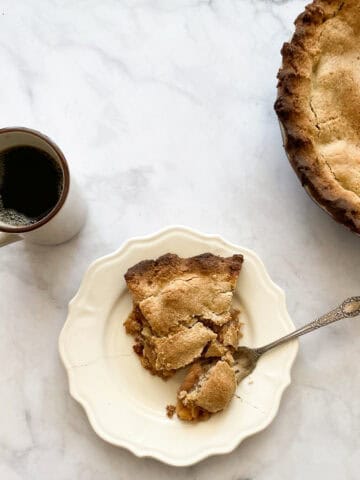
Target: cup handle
[[6, 238]]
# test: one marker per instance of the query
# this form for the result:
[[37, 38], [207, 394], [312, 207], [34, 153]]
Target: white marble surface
[[164, 109]]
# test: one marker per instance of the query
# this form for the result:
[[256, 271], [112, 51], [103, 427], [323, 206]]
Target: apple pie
[[318, 105], [183, 316]]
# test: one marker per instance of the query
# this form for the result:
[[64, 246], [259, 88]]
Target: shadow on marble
[[53, 267], [59, 269]]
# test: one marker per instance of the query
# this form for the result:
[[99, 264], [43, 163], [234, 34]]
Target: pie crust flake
[[318, 105]]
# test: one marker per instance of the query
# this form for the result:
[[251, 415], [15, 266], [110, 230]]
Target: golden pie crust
[[183, 315], [208, 388], [318, 105]]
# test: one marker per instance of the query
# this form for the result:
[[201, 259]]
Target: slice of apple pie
[[183, 315]]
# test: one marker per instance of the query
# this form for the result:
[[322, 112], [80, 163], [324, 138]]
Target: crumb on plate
[[170, 410]]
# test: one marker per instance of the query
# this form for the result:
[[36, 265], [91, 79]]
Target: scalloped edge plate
[[124, 403]]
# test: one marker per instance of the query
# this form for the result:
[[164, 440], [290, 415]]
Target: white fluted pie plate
[[125, 404]]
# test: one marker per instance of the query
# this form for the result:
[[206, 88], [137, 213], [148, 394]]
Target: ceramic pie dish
[[125, 404], [318, 106]]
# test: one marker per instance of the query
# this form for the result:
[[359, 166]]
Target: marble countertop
[[164, 109]]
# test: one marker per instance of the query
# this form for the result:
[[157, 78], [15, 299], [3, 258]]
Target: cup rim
[[66, 185]]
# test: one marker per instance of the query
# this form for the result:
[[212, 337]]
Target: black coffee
[[31, 183]]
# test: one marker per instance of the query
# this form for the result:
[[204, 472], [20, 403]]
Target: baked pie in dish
[[318, 105], [183, 316]]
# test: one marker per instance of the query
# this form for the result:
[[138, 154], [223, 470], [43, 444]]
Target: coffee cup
[[39, 201]]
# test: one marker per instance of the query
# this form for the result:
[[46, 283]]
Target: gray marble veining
[[164, 109]]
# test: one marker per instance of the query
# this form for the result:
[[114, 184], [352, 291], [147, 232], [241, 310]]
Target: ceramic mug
[[67, 216]]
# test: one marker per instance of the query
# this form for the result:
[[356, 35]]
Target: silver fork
[[247, 358]]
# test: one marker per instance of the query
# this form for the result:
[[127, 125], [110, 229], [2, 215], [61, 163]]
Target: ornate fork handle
[[349, 308]]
